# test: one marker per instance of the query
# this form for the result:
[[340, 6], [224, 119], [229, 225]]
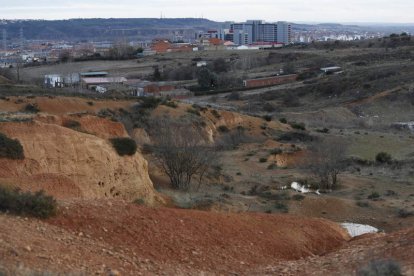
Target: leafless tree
[[232, 139], [326, 161], [181, 151]]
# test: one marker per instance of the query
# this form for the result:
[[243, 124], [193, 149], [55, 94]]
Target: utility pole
[[4, 40], [21, 39]]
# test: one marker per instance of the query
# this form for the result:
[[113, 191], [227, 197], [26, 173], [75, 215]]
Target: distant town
[[18, 51]]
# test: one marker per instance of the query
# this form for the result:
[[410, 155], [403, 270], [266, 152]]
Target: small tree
[[10, 148], [220, 65], [181, 151], [156, 76], [206, 78], [65, 56], [326, 161]]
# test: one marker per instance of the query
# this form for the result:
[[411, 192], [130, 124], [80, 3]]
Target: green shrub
[[381, 268], [300, 126], [10, 148], [296, 137], [150, 102], [283, 120], [374, 196], [26, 203], [124, 146], [90, 103], [31, 108], [171, 104], [267, 118], [263, 160], [383, 157], [223, 129]]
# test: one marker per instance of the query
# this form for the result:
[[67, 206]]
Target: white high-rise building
[[254, 31], [284, 32]]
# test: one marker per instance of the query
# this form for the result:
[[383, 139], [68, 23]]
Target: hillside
[[240, 214], [148, 28], [74, 29], [90, 236]]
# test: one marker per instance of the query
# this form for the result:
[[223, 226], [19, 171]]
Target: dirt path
[[373, 98], [205, 100]]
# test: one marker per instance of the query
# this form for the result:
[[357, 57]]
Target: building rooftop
[[104, 80], [85, 74]]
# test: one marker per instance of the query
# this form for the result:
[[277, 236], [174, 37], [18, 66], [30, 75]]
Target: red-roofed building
[[161, 46]]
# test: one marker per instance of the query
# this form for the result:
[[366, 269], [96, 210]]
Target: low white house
[[54, 81]]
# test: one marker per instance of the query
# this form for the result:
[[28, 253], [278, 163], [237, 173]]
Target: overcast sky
[[391, 11]]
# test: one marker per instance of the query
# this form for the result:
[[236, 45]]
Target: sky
[[380, 11]]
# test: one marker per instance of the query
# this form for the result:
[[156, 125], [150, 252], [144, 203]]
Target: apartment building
[[253, 31]]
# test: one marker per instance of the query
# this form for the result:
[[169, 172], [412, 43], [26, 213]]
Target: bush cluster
[[283, 120], [299, 126], [383, 157], [169, 103], [26, 203], [31, 108], [124, 146], [10, 148], [296, 137], [150, 102]]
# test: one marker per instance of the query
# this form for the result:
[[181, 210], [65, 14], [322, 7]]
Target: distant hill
[[82, 29], [146, 28]]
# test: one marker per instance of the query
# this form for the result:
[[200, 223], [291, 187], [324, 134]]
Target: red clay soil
[[204, 240], [97, 237]]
